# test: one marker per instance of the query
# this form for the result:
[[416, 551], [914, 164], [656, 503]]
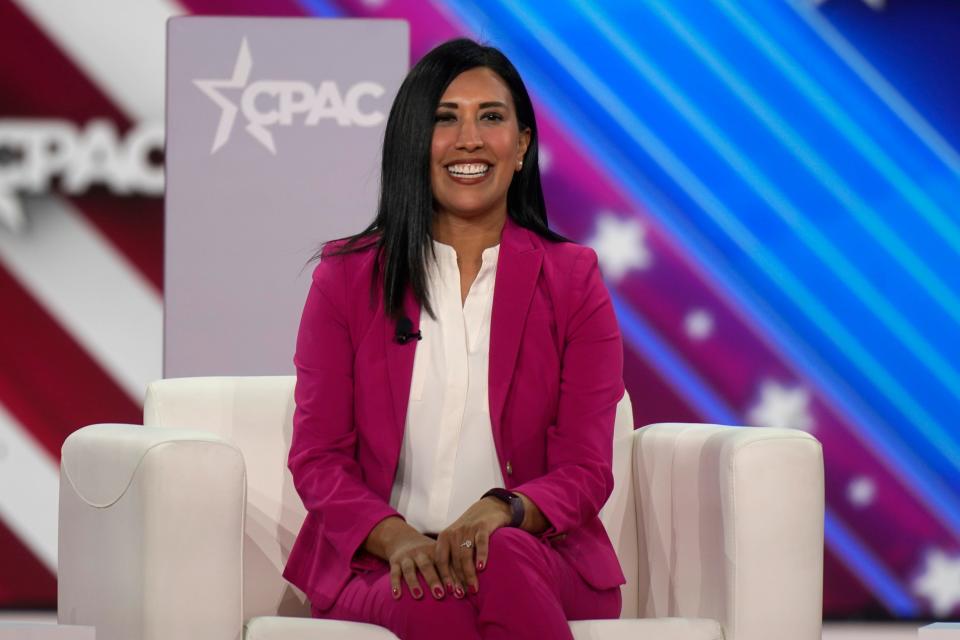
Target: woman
[[453, 462]]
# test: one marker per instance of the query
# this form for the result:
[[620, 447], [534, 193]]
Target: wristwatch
[[513, 500]]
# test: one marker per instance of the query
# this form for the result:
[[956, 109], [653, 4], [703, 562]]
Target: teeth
[[468, 169]]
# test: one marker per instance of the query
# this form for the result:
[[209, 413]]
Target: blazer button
[[509, 468]]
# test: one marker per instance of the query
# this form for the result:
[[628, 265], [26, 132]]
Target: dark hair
[[402, 230]]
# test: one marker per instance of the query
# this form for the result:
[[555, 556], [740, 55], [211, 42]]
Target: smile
[[473, 170]]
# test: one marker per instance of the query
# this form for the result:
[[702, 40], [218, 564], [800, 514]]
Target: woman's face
[[477, 145]]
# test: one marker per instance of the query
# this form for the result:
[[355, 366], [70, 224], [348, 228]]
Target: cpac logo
[[35, 153], [267, 103]]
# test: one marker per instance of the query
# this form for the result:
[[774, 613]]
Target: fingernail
[[474, 588], [458, 592], [449, 587], [438, 592], [396, 592], [416, 592], [480, 565]]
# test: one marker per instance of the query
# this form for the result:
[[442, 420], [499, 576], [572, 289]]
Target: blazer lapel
[[518, 266], [400, 363]]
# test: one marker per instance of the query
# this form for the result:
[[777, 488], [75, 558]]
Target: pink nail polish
[[396, 592], [449, 587], [438, 592], [417, 593], [474, 589], [458, 592], [480, 565]]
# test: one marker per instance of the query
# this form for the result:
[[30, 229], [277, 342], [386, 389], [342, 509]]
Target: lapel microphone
[[404, 331]]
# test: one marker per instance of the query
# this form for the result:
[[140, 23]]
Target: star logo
[[620, 246], [267, 103], [782, 407], [228, 110], [939, 582]]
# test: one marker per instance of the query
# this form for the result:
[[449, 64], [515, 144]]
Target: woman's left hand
[[458, 564]]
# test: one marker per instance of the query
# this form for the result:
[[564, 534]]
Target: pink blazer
[[555, 377]]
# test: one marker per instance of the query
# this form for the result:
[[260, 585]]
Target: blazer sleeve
[[322, 456], [579, 476]]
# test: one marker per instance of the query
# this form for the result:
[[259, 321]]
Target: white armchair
[[180, 528]]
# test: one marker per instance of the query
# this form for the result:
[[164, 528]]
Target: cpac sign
[[267, 103], [35, 152]]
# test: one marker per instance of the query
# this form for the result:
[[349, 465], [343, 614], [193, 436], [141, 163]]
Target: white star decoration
[[545, 158], [228, 110], [940, 582], [698, 324], [620, 247], [876, 5], [783, 407], [861, 491]]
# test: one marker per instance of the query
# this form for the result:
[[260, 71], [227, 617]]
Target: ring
[[467, 544]]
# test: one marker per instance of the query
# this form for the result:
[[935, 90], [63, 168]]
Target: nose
[[469, 136]]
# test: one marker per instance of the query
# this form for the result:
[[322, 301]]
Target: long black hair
[[403, 228]]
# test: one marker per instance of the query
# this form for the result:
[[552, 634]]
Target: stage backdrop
[[772, 188], [274, 130]]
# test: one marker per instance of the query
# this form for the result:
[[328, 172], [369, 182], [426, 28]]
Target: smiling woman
[[421, 118], [439, 504]]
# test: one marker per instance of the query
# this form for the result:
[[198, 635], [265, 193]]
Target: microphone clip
[[405, 333], [404, 339]]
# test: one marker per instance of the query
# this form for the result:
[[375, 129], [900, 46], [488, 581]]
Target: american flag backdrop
[[772, 188]]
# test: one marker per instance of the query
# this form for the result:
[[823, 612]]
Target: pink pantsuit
[[555, 377]]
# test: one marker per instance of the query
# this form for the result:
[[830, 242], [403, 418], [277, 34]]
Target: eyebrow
[[483, 105]]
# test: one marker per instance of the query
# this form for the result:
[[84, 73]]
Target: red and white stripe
[[81, 286]]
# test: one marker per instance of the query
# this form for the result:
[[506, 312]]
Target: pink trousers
[[527, 590]]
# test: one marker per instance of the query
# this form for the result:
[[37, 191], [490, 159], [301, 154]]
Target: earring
[[520, 165]]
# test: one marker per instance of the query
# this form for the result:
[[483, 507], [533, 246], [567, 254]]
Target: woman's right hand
[[408, 551]]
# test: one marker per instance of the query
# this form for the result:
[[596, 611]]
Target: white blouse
[[448, 459]]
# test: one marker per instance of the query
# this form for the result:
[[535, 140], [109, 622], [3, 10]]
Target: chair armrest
[[730, 523], [151, 533]]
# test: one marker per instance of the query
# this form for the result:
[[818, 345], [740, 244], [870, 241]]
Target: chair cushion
[[277, 628], [659, 628]]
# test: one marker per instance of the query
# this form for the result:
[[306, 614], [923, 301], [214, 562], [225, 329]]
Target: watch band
[[517, 511]]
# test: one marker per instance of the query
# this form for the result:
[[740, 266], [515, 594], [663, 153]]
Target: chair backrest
[[619, 514], [256, 415]]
